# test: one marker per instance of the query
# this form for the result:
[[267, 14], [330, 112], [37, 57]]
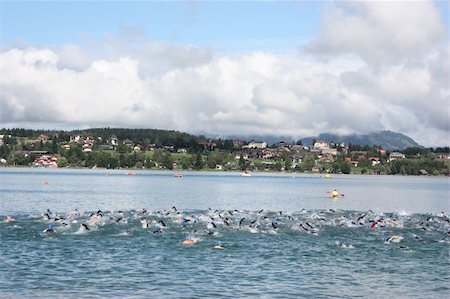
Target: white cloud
[[380, 31], [133, 82]]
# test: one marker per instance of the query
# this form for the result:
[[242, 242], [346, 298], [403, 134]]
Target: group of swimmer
[[213, 222]]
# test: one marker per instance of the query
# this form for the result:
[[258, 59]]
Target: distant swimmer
[[227, 221], [95, 218], [145, 223], [189, 241], [162, 224], [335, 194], [49, 229], [219, 245], [210, 225], [157, 229], [74, 215], [241, 222], [405, 248], [344, 245], [394, 239], [9, 219]]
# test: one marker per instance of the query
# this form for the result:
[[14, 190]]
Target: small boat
[[131, 173], [178, 175]]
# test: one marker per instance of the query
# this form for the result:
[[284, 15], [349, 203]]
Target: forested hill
[[145, 136], [148, 136], [386, 139]]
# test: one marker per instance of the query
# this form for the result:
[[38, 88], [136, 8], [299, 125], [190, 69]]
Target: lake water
[[283, 236]]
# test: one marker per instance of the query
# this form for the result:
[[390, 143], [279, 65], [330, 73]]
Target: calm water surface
[[303, 244]]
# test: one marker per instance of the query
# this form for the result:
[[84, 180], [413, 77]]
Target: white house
[[396, 156], [321, 145], [254, 144], [113, 140], [75, 138]]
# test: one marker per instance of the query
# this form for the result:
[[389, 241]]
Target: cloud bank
[[372, 66]]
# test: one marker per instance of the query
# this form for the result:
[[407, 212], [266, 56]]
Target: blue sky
[[221, 24], [295, 68]]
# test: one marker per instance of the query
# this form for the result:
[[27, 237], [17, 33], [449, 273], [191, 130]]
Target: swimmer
[[157, 229], [9, 219], [227, 221], [219, 245], [95, 218], [344, 245], [210, 226], [145, 223], [161, 223], [189, 241], [49, 229], [405, 248], [73, 215], [334, 194], [242, 221], [394, 239]]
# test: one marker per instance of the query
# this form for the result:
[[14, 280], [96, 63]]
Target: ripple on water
[[125, 260]]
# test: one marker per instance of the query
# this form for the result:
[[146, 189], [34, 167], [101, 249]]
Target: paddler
[[334, 194]]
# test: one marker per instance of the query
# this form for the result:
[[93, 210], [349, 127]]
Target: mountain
[[269, 139], [386, 139]]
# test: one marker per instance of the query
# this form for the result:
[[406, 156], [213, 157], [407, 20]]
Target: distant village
[[88, 151]]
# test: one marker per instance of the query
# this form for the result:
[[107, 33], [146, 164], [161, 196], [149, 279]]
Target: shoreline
[[175, 171]]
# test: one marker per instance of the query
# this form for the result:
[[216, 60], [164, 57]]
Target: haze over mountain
[[386, 139]]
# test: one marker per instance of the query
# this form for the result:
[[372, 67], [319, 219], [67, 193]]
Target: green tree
[[149, 163], [167, 161], [90, 160], [122, 148], [19, 159], [106, 160], [62, 162], [242, 164], [54, 147], [345, 168], [278, 166], [198, 165], [309, 162], [287, 164], [158, 156], [186, 162], [131, 160]]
